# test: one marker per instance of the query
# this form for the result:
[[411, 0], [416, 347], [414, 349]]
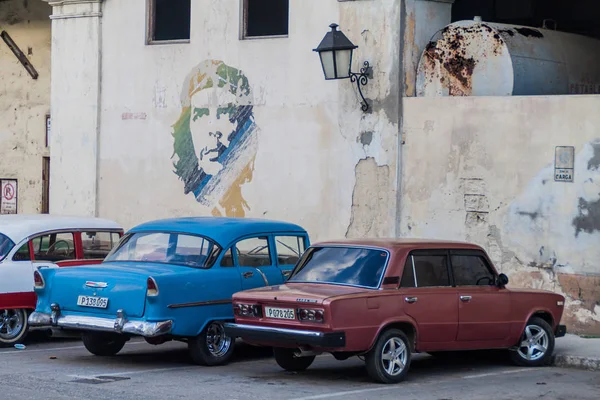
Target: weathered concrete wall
[[482, 170], [300, 149], [75, 106], [24, 102]]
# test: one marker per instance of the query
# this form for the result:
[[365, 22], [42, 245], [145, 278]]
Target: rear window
[[166, 248], [6, 246], [341, 265]]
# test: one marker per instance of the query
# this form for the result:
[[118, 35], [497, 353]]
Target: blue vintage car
[[169, 280]]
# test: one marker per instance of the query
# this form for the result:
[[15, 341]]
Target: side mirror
[[502, 280]]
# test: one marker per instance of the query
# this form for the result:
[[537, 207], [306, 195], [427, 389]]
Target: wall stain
[[588, 219]]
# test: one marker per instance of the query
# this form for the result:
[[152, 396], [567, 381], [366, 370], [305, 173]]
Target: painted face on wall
[[212, 126], [215, 137]]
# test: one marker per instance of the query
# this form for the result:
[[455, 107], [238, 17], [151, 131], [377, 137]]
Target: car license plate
[[280, 313], [89, 301]]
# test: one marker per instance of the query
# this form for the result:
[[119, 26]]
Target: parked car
[[28, 242], [385, 299], [170, 280]]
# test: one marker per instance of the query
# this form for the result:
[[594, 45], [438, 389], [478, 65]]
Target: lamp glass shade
[[343, 59], [328, 64]]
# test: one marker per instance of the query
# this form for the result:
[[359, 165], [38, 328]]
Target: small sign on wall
[[8, 196], [564, 163]]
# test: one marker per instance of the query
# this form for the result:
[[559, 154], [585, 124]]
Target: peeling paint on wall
[[215, 137], [370, 196]]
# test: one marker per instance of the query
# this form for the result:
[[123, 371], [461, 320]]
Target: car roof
[[20, 226], [402, 244], [223, 230]]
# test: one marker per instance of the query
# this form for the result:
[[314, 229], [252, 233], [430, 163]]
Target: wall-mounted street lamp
[[335, 51]]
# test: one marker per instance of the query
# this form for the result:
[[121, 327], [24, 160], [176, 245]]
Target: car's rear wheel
[[212, 346], [389, 360], [13, 326], [288, 360], [103, 344], [536, 345]]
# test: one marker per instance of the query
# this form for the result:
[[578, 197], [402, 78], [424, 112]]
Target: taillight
[[247, 310], [305, 314], [38, 280], [152, 290]]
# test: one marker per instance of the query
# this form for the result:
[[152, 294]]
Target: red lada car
[[386, 299]]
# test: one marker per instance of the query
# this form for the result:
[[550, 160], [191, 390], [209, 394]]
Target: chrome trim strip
[[200, 303], [255, 328], [412, 258], [263, 276], [119, 325]]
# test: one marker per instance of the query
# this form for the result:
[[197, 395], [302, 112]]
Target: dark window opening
[[425, 271], [169, 20], [266, 18], [471, 271]]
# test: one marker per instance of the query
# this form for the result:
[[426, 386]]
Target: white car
[[28, 242]]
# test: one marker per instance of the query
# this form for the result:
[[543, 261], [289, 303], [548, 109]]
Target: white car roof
[[19, 226]]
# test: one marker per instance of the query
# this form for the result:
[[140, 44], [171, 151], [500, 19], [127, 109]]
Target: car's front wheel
[[212, 346], [535, 346], [103, 344], [389, 360], [13, 326], [288, 360]]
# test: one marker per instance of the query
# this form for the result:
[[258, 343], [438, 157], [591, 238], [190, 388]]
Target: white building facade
[[220, 108]]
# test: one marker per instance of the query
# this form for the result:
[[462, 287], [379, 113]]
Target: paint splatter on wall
[[215, 137]]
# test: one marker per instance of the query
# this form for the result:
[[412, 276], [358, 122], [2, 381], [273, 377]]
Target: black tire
[[289, 361], [212, 347], [376, 364], [13, 326], [529, 341], [103, 344]]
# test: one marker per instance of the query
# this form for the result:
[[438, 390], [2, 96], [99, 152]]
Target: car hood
[[303, 292]]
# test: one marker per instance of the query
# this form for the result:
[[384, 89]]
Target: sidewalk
[[576, 352]]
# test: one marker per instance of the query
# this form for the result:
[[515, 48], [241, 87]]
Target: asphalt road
[[142, 371]]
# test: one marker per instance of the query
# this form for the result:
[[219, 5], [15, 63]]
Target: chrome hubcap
[[217, 341], [534, 343], [393, 356], [11, 323]]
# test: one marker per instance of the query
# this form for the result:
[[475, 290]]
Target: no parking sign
[[8, 196]]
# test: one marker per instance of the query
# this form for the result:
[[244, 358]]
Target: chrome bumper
[[118, 325], [286, 336]]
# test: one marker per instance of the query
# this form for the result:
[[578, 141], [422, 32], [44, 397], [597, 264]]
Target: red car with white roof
[[28, 242], [386, 299]]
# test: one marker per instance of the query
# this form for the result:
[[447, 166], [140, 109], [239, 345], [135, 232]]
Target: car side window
[[54, 247], [227, 260], [97, 245], [289, 249], [471, 270], [253, 252], [425, 271], [23, 253]]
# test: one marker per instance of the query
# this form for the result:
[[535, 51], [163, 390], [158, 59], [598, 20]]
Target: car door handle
[[410, 300], [248, 275], [465, 298]]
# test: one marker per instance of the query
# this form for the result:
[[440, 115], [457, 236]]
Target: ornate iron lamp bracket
[[362, 78]]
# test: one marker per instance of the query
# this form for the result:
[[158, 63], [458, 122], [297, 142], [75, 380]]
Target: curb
[[587, 363]]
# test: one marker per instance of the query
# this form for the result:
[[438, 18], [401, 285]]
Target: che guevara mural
[[215, 137]]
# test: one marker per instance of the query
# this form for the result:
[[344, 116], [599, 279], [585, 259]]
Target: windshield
[[6, 246], [341, 265], [167, 248]]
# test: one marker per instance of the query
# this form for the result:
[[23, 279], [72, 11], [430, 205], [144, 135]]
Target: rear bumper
[[274, 336], [120, 324], [561, 330]]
